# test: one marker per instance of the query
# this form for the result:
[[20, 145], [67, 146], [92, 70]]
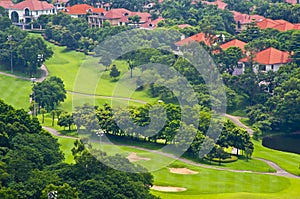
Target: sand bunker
[[182, 171], [133, 158], [168, 189]]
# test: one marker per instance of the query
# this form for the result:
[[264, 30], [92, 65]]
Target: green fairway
[[207, 183], [15, 91], [288, 161]]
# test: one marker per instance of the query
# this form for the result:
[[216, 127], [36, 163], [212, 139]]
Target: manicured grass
[[241, 113], [246, 122], [15, 91], [288, 161], [66, 146]]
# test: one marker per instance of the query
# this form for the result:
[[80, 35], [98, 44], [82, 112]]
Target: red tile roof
[[220, 4], [292, 1], [200, 37], [145, 16], [152, 24], [184, 25], [270, 56], [6, 3], [32, 5], [234, 43], [79, 9], [280, 24], [245, 18], [98, 10], [117, 13]]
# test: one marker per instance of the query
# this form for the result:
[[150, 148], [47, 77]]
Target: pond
[[288, 143]]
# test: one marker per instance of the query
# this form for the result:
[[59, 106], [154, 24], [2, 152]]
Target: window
[[272, 67], [36, 12], [262, 67]]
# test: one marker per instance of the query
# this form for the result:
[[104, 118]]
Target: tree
[[49, 93], [64, 191], [43, 111], [114, 72], [66, 120], [105, 60], [295, 47], [85, 116], [131, 66], [135, 20], [230, 57]]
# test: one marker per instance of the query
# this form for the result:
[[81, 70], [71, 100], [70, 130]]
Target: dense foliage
[[26, 53], [31, 165]]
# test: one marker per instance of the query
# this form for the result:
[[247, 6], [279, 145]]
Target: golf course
[[87, 81]]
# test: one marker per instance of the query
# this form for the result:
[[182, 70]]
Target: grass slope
[[15, 91]]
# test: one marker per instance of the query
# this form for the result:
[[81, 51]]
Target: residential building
[[265, 60], [6, 4], [242, 20], [26, 11], [200, 37], [280, 24], [79, 10], [234, 43]]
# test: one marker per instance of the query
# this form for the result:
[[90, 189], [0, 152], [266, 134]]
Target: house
[[242, 20], [234, 43], [6, 4], [200, 37], [60, 4], [219, 3], [79, 10], [280, 24], [121, 16], [114, 16], [151, 24], [96, 17], [28, 10], [293, 1], [181, 26], [268, 59]]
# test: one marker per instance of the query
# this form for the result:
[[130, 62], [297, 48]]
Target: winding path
[[279, 171]]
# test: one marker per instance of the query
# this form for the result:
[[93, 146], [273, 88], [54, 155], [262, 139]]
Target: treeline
[[274, 9], [181, 134], [26, 53], [31, 165], [74, 33]]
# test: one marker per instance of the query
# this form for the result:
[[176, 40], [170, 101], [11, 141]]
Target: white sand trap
[[182, 171], [168, 189], [134, 158]]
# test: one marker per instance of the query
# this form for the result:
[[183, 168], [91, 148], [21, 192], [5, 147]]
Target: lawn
[[288, 161], [208, 183], [15, 91]]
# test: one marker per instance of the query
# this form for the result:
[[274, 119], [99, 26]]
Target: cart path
[[236, 120], [279, 171]]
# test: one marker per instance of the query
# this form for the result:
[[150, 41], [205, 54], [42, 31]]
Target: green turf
[[246, 122], [15, 91], [288, 161], [66, 146]]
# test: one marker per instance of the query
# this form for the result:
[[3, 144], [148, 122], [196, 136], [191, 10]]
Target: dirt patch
[[182, 171], [168, 189], [133, 157]]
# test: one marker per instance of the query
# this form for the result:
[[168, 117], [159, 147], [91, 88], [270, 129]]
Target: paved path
[[236, 120], [280, 172]]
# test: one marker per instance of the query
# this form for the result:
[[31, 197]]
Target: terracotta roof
[[6, 3], [184, 25], [267, 23], [220, 4], [270, 56], [117, 13], [79, 9], [152, 24], [98, 10], [245, 18], [234, 43], [280, 24], [292, 1], [145, 16], [32, 5], [200, 37]]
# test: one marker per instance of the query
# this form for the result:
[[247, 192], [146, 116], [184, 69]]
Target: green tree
[[114, 72], [66, 120], [64, 191]]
